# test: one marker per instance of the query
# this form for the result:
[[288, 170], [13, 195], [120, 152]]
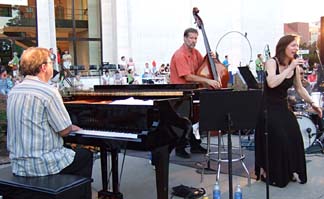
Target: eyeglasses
[[48, 62]]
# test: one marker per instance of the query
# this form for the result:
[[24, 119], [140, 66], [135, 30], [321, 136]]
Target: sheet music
[[132, 101], [106, 134]]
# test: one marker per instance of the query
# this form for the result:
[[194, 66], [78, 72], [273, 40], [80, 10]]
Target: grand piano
[[156, 123]]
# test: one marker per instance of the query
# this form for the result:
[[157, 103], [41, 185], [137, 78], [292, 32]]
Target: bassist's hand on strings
[[213, 83], [213, 55]]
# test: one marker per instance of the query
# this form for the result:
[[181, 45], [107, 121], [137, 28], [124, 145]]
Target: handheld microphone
[[297, 56]]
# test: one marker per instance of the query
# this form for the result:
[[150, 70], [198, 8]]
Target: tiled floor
[[138, 181]]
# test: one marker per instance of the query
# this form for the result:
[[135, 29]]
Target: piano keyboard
[[107, 134]]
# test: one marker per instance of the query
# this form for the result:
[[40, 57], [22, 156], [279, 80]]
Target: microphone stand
[[267, 144], [267, 151], [265, 114], [319, 71]]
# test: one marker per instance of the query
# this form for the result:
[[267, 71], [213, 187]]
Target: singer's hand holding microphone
[[297, 61]]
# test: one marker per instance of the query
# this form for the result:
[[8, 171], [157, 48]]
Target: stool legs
[[242, 156], [219, 159]]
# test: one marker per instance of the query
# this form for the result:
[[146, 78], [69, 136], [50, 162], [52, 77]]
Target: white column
[[46, 24], [115, 30], [109, 35], [94, 31], [122, 28]]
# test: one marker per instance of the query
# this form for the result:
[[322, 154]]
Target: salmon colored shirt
[[185, 61]]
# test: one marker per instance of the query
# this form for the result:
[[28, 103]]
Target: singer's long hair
[[282, 45]]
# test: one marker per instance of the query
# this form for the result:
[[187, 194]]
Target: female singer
[[285, 144]]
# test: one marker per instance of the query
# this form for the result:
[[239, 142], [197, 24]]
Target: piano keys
[[106, 134]]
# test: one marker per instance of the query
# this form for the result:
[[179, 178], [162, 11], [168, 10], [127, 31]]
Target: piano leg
[[114, 167], [160, 157], [104, 171], [104, 193]]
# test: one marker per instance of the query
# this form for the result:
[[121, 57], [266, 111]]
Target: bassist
[[185, 63]]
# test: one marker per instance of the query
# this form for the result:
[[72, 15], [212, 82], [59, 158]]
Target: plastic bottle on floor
[[150, 157], [216, 191], [238, 192]]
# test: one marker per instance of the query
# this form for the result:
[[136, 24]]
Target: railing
[[29, 12], [63, 17]]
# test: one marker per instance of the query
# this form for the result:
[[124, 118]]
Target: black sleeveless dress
[[286, 148]]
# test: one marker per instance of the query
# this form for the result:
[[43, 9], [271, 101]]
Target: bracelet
[[312, 103]]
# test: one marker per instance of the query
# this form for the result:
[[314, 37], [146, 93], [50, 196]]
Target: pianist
[[184, 63], [37, 121]]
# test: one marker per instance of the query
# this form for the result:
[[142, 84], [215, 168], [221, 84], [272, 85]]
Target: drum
[[301, 107], [307, 128]]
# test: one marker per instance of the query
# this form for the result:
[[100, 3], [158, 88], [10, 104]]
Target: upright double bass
[[210, 68]]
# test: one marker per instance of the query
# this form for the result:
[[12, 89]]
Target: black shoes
[[198, 149], [182, 153]]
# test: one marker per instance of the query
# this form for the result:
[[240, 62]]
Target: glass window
[[78, 31], [88, 53], [5, 11]]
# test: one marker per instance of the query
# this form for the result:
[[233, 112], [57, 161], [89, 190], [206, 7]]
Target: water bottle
[[150, 157], [216, 191], [238, 192]]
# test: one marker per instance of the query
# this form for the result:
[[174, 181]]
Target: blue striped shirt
[[35, 114]]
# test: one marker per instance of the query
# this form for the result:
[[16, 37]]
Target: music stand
[[248, 77], [229, 111]]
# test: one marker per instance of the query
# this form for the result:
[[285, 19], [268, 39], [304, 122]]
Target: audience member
[[130, 76], [14, 64], [147, 70], [5, 82], [105, 78], [123, 63], [131, 64], [67, 60], [259, 67], [78, 85], [225, 62]]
